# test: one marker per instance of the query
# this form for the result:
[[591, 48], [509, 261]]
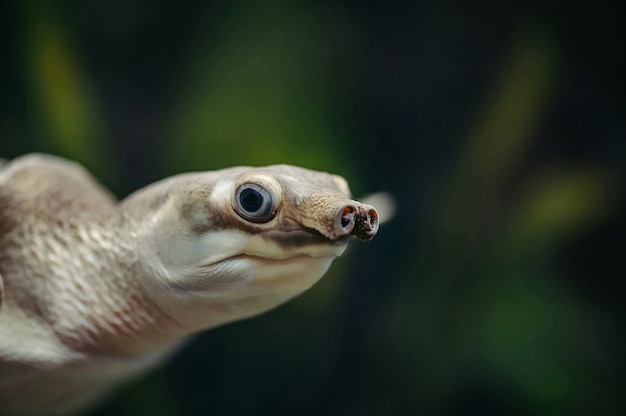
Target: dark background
[[499, 128]]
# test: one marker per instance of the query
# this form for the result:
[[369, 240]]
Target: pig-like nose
[[359, 220]]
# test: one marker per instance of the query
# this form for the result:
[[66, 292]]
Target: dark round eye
[[254, 203]]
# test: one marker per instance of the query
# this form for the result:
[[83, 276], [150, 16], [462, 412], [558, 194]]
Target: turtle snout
[[359, 220]]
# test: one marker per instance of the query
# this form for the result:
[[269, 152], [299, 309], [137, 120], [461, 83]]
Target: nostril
[[358, 219], [372, 217], [344, 220], [366, 223], [347, 217]]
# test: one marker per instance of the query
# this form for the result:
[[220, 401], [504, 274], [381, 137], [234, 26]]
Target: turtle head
[[229, 244]]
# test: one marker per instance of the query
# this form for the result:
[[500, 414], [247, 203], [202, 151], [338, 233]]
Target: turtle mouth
[[270, 252], [279, 246], [275, 260], [282, 246]]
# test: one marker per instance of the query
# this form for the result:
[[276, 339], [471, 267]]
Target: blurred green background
[[499, 127]]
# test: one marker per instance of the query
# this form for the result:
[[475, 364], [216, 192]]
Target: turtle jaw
[[274, 263], [282, 245], [285, 267], [273, 281], [282, 270], [246, 284]]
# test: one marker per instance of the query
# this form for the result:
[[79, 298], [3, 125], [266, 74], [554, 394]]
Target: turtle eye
[[254, 203]]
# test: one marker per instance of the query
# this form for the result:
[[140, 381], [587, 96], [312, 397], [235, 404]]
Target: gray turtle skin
[[94, 291]]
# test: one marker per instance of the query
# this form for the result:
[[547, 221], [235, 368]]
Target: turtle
[[96, 291]]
